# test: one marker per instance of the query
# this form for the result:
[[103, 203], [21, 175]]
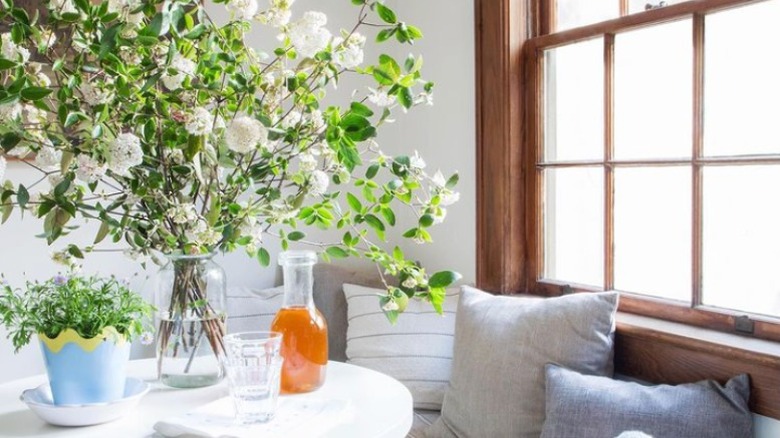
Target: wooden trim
[[660, 357], [697, 152], [702, 161], [609, 153], [502, 29], [633, 21]]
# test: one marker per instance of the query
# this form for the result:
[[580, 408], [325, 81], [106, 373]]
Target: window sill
[[667, 352]]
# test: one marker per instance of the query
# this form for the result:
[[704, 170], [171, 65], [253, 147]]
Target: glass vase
[[190, 298], [304, 330]]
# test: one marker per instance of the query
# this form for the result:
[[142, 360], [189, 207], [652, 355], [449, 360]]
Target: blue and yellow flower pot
[[83, 370]]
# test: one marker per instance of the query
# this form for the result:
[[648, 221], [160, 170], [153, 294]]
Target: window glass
[[653, 92], [741, 240], [575, 13], [574, 225], [742, 89], [653, 231], [574, 101]]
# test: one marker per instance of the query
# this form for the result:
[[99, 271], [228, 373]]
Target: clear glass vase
[[304, 329], [190, 298]]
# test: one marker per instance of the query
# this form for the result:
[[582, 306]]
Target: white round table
[[383, 406]]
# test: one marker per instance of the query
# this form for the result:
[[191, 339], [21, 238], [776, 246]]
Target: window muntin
[[698, 193]]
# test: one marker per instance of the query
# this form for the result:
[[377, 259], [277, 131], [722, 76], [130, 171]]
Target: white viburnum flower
[[318, 183], [349, 53], [124, 153], [416, 161], [244, 134], [380, 98], [438, 179], [10, 112], [275, 17], [3, 165], [202, 234], [308, 35], [183, 66], [306, 162], [183, 214], [47, 39], [199, 122], [409, 283], [48, 157], [281, 212], [243, 9], [440, 215], [12, 51], [94, 95], [33, 115], [390, 306], [448, 197], [63, 6], [317, 120], [89, 169], [292, 119]]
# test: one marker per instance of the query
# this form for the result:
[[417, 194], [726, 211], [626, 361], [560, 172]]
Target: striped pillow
[[417, 350], [251, 310]]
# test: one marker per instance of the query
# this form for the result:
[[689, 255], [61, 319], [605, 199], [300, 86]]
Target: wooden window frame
[[509, 37]]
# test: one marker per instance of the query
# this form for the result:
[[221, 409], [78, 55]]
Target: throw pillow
[[591, 406], [501, 347], [417, 350], [250, 310]]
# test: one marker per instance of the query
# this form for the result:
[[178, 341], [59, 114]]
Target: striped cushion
[[417, 350], [251, 309]]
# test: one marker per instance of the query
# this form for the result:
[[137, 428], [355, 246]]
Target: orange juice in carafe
[[304, 348], [304, 329]]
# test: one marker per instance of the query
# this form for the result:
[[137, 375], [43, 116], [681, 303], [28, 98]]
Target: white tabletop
[[383, 406]]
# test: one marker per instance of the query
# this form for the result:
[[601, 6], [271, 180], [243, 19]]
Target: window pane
[[742, 90], [574, 101], [653, 93], [574, 13], [635, 6], [574, 225], [653, 231], [742, 238]]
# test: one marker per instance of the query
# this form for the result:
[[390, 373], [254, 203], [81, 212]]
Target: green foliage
[[84, 304]]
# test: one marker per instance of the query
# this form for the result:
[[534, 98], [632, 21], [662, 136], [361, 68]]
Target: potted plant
[[85, 326], [179, 138]]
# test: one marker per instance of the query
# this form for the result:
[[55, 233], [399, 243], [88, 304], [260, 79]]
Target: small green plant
[[85, 304]]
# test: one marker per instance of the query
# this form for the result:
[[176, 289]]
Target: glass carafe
[[304, 330]]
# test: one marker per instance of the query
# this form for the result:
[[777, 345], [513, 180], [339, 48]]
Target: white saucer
[[40, 401]]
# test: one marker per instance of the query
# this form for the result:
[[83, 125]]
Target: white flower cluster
[[292, 120], [199, 122], [10, 111], [183, 66], [243, 9], [125, 153], [281, 211], [182, 214], [307, 162], [62, 6], [308, 35], [48, 157], [318, 183], [3, 165], [380, 98], [202, 234], [447, 196], [254, 230], [349, 53], [244, 134], [12, 51], [89, 169], [47, 39], [95, 95], [278, 15]]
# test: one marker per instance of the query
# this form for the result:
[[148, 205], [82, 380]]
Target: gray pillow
[[501, 347], [329, 299], [250, 310], [580, 406]]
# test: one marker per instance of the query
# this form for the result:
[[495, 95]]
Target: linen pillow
[[417, 350], [501, 347], [252, 310], [591, 406]]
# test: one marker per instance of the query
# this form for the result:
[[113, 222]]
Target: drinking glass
[[253, 364]]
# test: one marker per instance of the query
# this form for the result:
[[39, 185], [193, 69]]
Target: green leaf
[[5, 64], [108, 41], [337, 252], [10, 140], [405, 97], [75, 251], [263, 257], [360, 109], [8, 208], [355, 203], [62, 187], [443, 279], [372, 171], [35, 93], [388, 215], [384, 35], [102, 233], [437, 296], [386, 14], [374, 222], [426, 220], [22, 196], [196, 32], [296, 236], [452, 182]]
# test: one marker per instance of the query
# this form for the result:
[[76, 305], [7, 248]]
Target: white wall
[[444, 135]]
